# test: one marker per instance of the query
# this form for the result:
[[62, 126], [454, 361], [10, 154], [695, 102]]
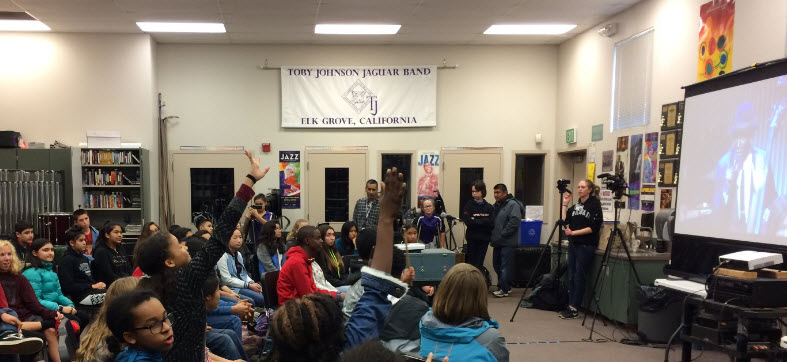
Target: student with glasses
[[140, 322]]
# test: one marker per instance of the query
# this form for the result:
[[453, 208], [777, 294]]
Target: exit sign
[[571, 135]]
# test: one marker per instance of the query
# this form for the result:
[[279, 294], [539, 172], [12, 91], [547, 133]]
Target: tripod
[[604, 264], [561, 224]]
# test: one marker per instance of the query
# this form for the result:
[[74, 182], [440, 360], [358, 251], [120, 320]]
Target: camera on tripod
[[562, 185], [615, 183]]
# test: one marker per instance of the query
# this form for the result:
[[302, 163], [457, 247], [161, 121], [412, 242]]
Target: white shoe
[[500, 294], [14, 343]]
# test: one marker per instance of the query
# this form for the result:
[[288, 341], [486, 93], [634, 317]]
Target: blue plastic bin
[[530, 233]]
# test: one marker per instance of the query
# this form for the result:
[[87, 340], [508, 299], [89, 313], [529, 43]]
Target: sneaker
[[500, 293], [569, 313], [14, 343]]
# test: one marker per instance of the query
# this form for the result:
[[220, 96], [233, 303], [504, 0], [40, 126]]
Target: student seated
[[270, 248], [92, 345], [460, 311], [400, 331], [74, 272], [346, 243], [203, 223], [296, 278], [181, 233], [194, 244], [292, 237], [23, 230], [365, 246], [110, 260], [178, 279], [46, 284], [140, 322], [224, 343], [331, 262], [22, 300], [233, 273], [12, 342]]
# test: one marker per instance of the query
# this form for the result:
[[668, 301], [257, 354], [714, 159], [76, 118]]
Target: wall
[[58, 86], [585, 63], [499, 96]]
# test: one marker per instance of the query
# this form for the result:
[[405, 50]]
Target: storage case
[[432, 264]]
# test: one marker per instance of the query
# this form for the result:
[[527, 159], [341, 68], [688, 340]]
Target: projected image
[[734, 164]]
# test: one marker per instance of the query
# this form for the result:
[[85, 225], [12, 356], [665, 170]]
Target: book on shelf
[[104, 157], [108, 200], [104, 177]]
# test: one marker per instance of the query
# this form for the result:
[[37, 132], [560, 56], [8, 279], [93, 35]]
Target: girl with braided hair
[[307, 329]]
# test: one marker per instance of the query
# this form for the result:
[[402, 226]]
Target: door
[[204, 183], [460, 168], [335, 180]]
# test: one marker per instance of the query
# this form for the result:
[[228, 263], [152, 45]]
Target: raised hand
[[254, 167], [395, 188]]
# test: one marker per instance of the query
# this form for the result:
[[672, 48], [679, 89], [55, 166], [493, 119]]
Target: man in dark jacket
[[505, 237], [477, 215]]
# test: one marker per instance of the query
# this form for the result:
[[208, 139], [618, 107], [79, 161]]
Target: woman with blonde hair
[[92, 346], [37, 321], [460, 311], [293, 235]]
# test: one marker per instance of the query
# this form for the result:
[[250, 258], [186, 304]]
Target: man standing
[[91, 234], [505, 237], [367, 210]]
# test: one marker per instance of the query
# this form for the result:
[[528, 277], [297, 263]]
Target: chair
[[270, 279]]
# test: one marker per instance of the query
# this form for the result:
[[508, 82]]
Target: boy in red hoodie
[[295, 277]]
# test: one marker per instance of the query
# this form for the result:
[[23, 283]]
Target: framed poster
[[670, 144], [668, 173]]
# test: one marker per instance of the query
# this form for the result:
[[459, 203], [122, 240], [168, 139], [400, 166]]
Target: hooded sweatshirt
[[76, 278], [508, 220], [474, 340], [110, 265], [295, 277]]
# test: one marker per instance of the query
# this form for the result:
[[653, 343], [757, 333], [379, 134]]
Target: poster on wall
[[670, 143], [606, 160], [714, 53], [592, 172], [666, 199], [635, 171], [428, 172], [359, 97], [650, 156], [622, 157], [648, 197], [290, 179], [607, 204], [672, 116]]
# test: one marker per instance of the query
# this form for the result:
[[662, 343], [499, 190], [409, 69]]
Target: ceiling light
[[529, 29], [22, 25], [154, 27], [357, 29]]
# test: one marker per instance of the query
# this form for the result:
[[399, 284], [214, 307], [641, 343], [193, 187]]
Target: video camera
[[562, 185], [615, 183]]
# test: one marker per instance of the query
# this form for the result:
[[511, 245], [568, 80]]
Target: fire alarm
[[266, 147]]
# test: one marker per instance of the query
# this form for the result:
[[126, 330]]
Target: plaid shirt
[[365, 214]]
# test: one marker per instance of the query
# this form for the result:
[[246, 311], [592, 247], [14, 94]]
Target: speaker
[[526, 258]]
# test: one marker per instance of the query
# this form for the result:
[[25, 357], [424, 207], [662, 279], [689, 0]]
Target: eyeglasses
[[157, 327]]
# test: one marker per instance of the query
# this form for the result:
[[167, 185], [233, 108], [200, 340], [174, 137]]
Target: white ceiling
[[292, 21]]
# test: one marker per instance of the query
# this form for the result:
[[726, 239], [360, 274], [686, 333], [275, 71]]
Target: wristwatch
[[60, 308]]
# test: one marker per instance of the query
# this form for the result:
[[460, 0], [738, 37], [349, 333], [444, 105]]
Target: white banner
[[359, 97]]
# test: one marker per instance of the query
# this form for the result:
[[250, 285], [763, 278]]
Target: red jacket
[[295, 277]]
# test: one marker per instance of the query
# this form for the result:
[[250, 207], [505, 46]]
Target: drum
[[53, 225]]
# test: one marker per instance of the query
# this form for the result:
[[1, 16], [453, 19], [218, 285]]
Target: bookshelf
[[115, 185]]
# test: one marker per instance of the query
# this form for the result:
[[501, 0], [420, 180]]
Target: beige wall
[[585, 62], [498, 96], [58, 86]]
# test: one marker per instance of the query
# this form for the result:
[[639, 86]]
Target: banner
[[290, 179], [359, 97], [717, 23], [428, 172], [635, 171], [650, 156]]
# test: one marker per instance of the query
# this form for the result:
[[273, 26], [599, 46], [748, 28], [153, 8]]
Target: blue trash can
[[530, 233]]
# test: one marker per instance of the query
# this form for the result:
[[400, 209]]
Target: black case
[[525, 264], [9, 139]]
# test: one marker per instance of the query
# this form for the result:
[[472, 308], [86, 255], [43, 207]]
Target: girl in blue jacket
[[46, 283]]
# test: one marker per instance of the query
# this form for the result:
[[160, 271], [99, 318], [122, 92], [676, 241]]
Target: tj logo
[[373, 105], [358, 96]]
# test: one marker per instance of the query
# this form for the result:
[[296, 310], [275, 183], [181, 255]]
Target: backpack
[[549, 294]]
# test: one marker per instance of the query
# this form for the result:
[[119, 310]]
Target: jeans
[[227, 321], [224, 343], [503, 262], [256, 299], [343, 288], [476, 253], [580, 258]]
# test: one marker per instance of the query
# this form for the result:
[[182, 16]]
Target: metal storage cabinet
[[57, 159], [432, 264]]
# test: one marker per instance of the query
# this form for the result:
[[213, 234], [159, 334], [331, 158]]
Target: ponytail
[[113, 345], [594, 190]]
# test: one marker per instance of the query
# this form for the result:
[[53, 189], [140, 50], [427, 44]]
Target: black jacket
[[582, 215], [110, 265], [479, 221], [404, 318], [76, 278]]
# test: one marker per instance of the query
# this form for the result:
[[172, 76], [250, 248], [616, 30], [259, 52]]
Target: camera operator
[[583, 221]]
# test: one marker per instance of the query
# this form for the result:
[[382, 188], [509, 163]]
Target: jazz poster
[[428, 173], [648, 197], [290, 179], [635, 171], [714, 53], [650, 156]]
